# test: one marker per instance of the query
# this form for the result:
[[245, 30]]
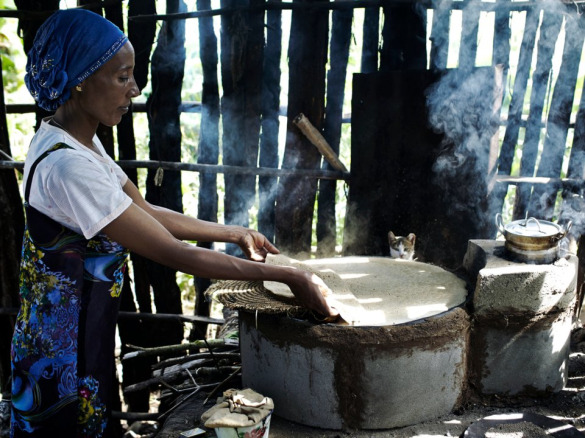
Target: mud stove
[[509, 336]]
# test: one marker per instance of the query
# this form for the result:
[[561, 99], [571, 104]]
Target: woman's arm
[[140, 232], [183, 227]]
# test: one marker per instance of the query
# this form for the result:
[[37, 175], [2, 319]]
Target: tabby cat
[[401, 247]]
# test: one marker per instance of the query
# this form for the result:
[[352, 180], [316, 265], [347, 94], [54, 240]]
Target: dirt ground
[[565, 408], [568, 406]]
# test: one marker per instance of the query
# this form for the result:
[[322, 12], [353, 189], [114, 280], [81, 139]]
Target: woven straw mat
[[254, 296]]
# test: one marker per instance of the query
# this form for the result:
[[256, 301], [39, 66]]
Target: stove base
[[523, 315]]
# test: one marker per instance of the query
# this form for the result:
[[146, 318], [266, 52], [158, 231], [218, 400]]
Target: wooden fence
[[540, 152]]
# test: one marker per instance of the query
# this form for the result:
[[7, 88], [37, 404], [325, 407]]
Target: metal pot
[[532, 234], [531, 240]]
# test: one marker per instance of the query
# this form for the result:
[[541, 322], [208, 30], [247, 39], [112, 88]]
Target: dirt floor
[[561, 415], [567, 406]]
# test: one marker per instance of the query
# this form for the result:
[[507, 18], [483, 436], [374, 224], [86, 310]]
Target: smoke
[[573, 217], [463, 107]]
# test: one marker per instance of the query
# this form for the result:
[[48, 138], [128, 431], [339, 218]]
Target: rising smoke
[[461, 107]]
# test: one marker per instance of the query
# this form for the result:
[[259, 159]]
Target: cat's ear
[[391, 236], [411, 237]]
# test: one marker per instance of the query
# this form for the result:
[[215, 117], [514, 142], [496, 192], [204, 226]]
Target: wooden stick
[[135, 416], [174, 376], [169, 372], [145, 316], [212, 168], [175, 360], [157, 351], [319, 141], [169, 316]]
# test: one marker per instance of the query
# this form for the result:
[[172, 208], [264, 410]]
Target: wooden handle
[[319, 141]]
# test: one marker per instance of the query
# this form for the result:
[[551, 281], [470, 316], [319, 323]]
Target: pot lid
[[532, 227]]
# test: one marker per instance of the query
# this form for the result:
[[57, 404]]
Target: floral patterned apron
[[63, 346]]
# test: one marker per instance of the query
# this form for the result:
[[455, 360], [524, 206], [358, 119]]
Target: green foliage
[[12, 54], [11, 75]]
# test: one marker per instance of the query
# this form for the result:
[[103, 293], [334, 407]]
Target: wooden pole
[[440, 37], [141, 36], [208, 153], [468, 41], [543, 199], [404, 37], [549, 32], [271, 89], [242, 42], [371, 38], [336, 80], [177, 348], [167, 71], [307, 56], [209, 168], [516, 108]]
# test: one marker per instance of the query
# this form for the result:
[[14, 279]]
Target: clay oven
[[429, 339]]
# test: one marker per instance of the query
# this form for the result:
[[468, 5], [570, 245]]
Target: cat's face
[[401, 247]]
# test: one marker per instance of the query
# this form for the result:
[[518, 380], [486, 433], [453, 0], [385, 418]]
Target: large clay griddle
[[379, 291]]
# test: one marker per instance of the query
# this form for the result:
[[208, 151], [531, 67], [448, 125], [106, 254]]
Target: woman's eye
[[124, 79]]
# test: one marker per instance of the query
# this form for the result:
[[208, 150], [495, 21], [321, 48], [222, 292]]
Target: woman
[[83, 216]]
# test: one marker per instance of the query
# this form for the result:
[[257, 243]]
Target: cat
[[401, 247]]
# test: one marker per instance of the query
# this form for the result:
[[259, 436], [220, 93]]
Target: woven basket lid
[[253, 296]]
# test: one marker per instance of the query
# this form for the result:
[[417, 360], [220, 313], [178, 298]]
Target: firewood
[[159, 351]]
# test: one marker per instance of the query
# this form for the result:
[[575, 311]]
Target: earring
[[78, 88]]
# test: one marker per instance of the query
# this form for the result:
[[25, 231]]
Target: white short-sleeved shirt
[[78, 188]]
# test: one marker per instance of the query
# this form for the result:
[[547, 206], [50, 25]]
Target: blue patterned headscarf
[[70, 45]]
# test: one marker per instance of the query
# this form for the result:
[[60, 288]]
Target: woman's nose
[[134, 91]]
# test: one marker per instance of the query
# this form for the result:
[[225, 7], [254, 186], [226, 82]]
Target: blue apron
[[63, 374]]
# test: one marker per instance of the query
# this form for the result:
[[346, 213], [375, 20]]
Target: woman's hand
[[312, 292], [255, 245]]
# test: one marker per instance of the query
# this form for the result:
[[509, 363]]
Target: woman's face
[[107, 94]]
